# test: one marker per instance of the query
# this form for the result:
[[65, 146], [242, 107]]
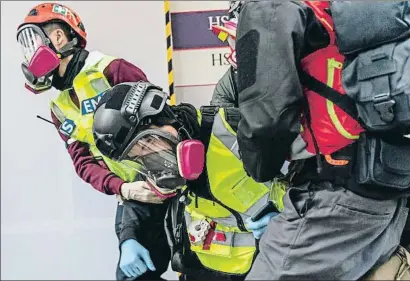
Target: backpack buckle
[[384, 106], [209, 110]]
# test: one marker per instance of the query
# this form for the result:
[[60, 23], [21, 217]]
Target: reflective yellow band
[[221, 258], [332, 64], [234, 255]]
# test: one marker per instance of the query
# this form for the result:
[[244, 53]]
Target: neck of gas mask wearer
[[63, 65], [73, 67]]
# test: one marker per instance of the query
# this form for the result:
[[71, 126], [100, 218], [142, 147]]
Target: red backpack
[[326, 127], [363, 78]]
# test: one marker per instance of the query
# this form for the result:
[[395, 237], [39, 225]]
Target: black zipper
[[204, 180], [239, 220]]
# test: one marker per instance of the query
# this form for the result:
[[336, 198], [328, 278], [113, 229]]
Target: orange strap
[[335, 162]]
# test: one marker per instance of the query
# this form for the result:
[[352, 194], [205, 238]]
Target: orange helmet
[[47, 12]]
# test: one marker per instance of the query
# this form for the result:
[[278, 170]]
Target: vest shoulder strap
[[208, 114], [104, 62], [95, 60], [346, 103], [98, 61]]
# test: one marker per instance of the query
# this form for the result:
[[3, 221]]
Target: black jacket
[[273, 37], [144, 222], [226, 92]]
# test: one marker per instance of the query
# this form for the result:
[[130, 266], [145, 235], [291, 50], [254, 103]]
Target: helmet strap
[[68, 49]]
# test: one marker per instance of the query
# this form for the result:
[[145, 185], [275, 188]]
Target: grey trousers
[[334, 235]]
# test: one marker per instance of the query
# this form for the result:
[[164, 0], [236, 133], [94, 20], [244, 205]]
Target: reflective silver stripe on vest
[[99, 85], [226, 221], [229, 140], [234, 239], [58, 113], [225, 136]]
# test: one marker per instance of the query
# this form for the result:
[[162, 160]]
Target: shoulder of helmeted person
[[121, 71], [224, 92]]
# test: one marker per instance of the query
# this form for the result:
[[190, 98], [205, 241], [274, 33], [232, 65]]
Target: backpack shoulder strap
[[200, 186], [207, 120], [232, 117], [344, 102]]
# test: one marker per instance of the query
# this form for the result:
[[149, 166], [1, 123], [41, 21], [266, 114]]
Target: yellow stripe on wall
[[168, 35]]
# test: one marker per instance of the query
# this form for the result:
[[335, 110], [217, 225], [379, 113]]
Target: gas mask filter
[[39, 59], [165, 161], [191, 158]]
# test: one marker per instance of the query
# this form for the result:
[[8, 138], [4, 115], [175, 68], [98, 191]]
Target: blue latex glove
[[135, 259], [259, 227]]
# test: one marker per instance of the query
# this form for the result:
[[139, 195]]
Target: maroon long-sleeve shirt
[[89, 169]]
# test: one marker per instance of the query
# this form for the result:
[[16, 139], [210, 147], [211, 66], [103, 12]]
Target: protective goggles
[[165, 161]]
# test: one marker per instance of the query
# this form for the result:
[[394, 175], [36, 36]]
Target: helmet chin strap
[[68, 49]]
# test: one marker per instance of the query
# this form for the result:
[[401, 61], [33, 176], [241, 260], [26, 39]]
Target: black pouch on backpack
[[375, 39], [383, 162]]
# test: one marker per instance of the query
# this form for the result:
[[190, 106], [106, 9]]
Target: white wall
[[198, 57], [53, 225]]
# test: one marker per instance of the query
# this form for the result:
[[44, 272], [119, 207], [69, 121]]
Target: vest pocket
[[223, 249], [245, 194], [383, 163]]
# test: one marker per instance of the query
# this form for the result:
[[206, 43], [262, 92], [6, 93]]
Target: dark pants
[[118, 219], [328, 233], [405, 238], [156, 244]]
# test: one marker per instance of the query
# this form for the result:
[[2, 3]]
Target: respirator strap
[[68, 49]]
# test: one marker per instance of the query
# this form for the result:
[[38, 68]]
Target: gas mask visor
[[39, 60], [155, 153], [165, 161]]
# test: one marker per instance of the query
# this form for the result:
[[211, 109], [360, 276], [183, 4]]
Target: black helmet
[[122, 109]]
